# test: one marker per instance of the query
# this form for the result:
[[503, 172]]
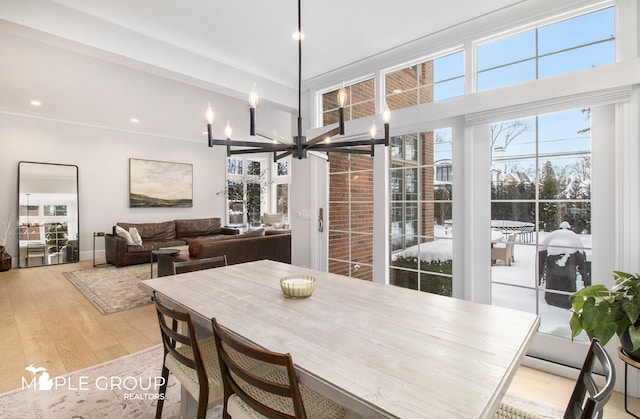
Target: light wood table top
[[382, 351]]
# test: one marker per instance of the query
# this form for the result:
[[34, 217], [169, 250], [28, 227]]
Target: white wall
[[102, 157]]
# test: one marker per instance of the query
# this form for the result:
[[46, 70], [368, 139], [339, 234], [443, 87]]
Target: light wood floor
[[46, 321]]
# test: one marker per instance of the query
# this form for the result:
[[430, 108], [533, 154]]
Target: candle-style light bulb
[[386, 117], [342, 97], [253, 97], [209, 116], [228, 131], [373, 131], [342, 100]]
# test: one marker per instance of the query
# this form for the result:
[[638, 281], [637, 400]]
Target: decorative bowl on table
[[297, 286]]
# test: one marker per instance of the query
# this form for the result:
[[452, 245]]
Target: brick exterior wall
[[351, 176], [351, 215]]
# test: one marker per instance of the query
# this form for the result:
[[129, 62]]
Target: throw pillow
[[125, 235], [271, 219], [135, 235]]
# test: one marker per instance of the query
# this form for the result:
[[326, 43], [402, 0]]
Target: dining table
[[379, 350]]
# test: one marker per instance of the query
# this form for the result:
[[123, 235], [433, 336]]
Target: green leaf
[[604, 332], [634, 334], [576, 326], [592, 314], [631, 309]]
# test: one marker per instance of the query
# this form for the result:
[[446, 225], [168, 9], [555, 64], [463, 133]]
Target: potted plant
[[602, 312]]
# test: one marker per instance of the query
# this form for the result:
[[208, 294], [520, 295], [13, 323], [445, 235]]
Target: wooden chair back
[[192, 265], [247, 384], [180, 330], [588, 399]]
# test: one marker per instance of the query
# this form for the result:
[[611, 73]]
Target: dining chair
[[191, 265], [36, 250], [588, 398], [504, 253], [193, 362], [272, 391]]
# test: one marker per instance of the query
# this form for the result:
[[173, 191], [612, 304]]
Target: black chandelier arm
[[322, 137], [277, 156], [250, 144], [273, 140], [354, 143], [347, 151]]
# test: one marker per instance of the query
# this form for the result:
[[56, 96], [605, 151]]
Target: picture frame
[[160, 184]]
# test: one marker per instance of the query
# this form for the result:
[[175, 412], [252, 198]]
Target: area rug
[[122, 388], [514, 406], [125, 388], [112, 289]]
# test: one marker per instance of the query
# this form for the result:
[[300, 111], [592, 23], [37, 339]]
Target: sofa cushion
[[135, 235], [153, 231], [197, 227], [148, 246], [273, 219], [253, 233], [121, 232], [194, 245], [274, 231]]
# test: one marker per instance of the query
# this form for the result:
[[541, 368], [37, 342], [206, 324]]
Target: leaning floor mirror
[[48, 223]]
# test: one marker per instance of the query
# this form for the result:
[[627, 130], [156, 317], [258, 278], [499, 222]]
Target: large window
[[420, 179], [248, 184], [280, 191], [254, 186], [428, 81], [581, 42], [541, 198]]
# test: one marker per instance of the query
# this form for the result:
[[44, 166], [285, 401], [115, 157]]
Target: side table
[[161, 252], [97, 234], [627, 361]]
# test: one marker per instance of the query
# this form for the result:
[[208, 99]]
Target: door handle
[[320, 220]]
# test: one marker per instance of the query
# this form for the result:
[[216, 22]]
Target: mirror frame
[[66, 251]]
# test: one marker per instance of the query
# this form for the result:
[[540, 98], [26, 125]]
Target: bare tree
[[508, 130]]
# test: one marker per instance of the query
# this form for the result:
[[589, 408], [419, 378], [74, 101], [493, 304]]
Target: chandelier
[[301, 145]]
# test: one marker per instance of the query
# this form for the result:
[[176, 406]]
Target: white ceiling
[[256, 34], [212, 45]]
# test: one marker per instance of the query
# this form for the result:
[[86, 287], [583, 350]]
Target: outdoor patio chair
[[504, 253], [272, 391]]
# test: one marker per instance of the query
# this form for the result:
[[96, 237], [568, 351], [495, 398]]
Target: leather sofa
[[248, 247], [120, 252]]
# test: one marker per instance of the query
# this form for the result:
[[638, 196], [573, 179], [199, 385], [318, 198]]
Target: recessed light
[[134, 120], [35, 103], [396, 91]]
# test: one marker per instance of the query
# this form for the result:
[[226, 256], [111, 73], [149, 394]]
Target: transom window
[[574, 44], [361, 103], [429, 81]]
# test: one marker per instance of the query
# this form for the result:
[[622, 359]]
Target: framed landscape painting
[[160, 184]]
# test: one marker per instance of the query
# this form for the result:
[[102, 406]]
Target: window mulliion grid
[[420, 211], [424, 82], [573, 44]]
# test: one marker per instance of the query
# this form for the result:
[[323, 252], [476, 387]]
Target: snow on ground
[[515, 286]]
